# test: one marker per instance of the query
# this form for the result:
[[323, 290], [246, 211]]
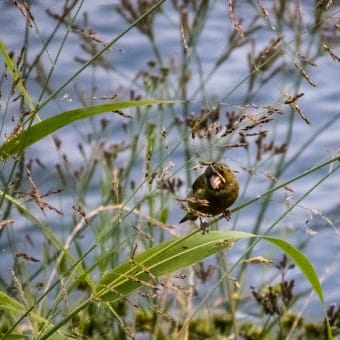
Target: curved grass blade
[[16, 76], [178, 253], [305, 266], [301, 261], [19, 142], [163, 259]]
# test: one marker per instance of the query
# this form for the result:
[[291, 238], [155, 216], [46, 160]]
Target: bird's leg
[[227, 214], [204, 227]]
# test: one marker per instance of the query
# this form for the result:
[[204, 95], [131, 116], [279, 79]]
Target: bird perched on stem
[[212, 193]]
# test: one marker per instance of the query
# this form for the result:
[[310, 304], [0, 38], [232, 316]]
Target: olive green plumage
[[212, 193]]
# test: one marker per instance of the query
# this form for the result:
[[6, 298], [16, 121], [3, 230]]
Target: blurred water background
[[226, 87]]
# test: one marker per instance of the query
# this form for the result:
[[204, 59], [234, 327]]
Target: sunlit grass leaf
[[20, 141], [160, 260], [301, 261], [181, 252], [305, 266]]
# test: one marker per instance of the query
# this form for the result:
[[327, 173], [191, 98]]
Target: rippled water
[[227, 87]]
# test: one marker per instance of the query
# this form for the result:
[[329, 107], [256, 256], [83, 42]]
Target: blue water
[[131, 54]]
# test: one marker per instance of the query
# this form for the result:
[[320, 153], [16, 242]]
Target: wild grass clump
[[99, 149]]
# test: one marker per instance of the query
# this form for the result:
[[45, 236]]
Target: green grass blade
[[301, 261], [16, 76], [161, 260], [305, 266], [18, 143], [182, 252]]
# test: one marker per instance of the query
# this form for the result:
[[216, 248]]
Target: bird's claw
[[227, 214], [204, 227]]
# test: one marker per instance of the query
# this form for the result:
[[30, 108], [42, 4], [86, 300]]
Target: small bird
[[212, 193]]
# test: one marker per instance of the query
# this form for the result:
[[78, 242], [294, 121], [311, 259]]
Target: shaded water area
[[255, 85]]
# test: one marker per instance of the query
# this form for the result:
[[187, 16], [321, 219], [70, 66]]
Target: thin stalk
[[230, 289]]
